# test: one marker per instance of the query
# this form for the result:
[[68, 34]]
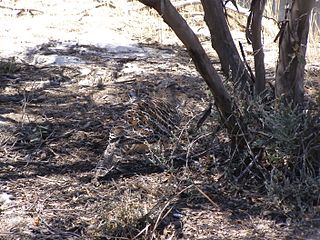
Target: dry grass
[[54, 131]]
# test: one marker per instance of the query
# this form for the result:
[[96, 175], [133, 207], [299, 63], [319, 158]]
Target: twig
[[206, 196], [58, 232], [163, 209], [22, 10], [50, 180], [191, 145], [204, 116], [183, 4], [166, 205], [185, 128], [107, 4], [246, 62], [159, 216], [255, 159], [142, 231]]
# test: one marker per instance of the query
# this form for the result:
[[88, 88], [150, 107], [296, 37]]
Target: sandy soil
[[74, 65]]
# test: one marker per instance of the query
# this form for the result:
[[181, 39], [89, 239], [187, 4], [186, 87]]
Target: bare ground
[[55, 117]]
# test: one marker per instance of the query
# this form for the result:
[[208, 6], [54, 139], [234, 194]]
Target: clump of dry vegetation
[[281, 158], [199, 187]]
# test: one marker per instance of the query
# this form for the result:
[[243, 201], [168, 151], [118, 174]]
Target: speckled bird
[[146, 121]]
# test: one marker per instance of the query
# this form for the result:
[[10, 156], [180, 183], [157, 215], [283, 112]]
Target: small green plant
[[288, 166], [8, 66]]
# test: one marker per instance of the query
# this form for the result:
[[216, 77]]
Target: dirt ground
[[66, 73]]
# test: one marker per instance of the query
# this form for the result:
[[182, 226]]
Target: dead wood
[[254, 37]]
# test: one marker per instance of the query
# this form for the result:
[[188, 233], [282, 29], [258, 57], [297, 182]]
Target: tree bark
[[282, 9], [201, 60], [253, 34], [222, 42], [292, 51]]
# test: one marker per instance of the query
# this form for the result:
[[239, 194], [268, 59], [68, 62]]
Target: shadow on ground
[[55, 128]]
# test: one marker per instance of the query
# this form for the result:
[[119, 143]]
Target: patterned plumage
[[146, 121]]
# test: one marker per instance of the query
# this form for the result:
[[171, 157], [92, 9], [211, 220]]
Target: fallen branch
[[31, 11], [183, 4]]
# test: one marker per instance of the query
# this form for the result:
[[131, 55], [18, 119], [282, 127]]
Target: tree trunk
[[292, 51], [231, 117], [282, 9], [253, 34], [222, 42], [201, 60]]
